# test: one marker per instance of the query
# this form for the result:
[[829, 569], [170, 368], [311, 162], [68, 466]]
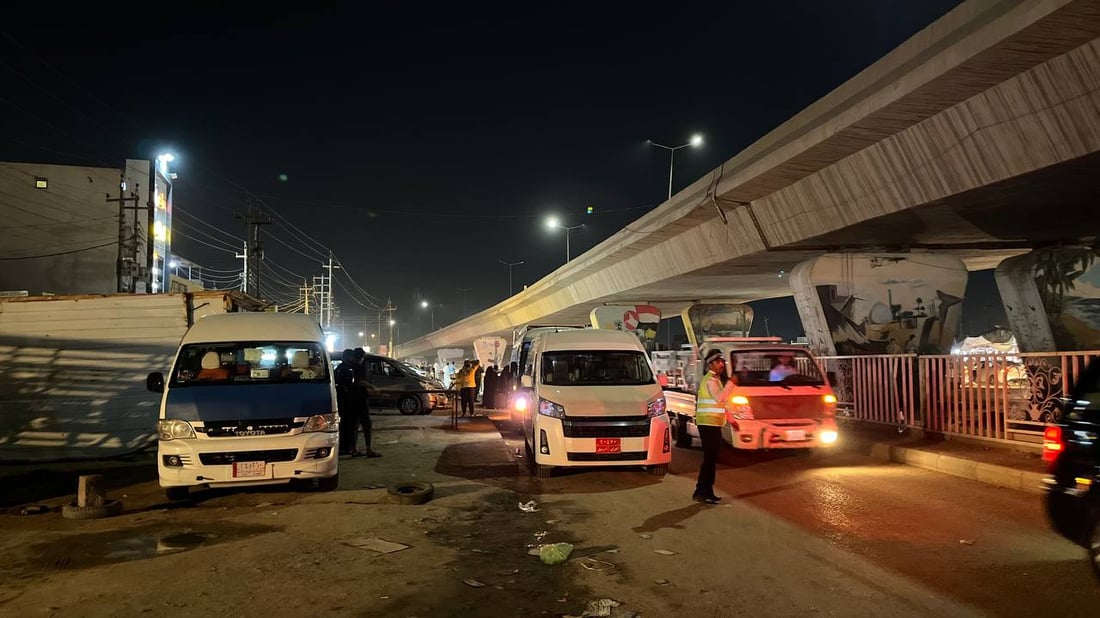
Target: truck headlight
[[551, 409], [828, 437], [322, 422], [741, 408], [174, 429], [655, 407]]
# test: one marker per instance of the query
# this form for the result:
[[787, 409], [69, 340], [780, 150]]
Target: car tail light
[[1053, 445]]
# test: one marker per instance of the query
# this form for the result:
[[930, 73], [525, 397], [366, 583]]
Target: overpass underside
[[978, 137]]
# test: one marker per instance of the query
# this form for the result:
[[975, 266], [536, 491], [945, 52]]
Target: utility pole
[[389, 308], [306, 293], [243, 256], [127, 255], [327, 318], [254, 249]]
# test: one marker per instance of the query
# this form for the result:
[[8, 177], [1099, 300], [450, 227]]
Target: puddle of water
[[80, 551], [152, 545]]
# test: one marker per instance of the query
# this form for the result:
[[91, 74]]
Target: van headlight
[[322, 422], [655, 407], [174, 429], [551, 409]]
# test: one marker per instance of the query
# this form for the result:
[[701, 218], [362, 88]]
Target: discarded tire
[[107, 509], [411, 492]]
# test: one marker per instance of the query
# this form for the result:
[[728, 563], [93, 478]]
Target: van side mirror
[[831, 377], [155, 382], [526, 382]]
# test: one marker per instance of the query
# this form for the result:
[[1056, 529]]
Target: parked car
[[394, 384], [1072, 450]]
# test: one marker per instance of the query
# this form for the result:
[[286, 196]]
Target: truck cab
[[781, 397]]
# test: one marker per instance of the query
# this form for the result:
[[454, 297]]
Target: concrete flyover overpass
[[979, 137]]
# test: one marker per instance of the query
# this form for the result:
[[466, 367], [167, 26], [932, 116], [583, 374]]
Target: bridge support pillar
[[880, 303], [1052, 298]]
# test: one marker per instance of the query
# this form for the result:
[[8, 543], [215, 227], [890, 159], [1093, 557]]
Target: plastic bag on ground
[[555, 553]]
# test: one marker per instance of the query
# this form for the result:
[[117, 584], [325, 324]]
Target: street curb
[[990, 474]]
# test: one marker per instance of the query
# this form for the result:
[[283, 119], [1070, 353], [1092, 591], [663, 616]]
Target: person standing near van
[[710, 415], [465, 383], [344, 376], [479, 374], [361, 403]]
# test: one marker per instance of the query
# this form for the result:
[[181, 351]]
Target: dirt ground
[[638, 539]]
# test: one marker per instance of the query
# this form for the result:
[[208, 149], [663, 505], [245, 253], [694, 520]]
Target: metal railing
[[1000, 397]]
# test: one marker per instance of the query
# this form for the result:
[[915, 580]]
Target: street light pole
[[464, 290], [510, 265], [553, 224], [696, 140]]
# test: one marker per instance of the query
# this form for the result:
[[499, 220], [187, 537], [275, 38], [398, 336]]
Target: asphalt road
[[796, 535]]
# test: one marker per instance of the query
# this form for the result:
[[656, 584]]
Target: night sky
[[422, 146]]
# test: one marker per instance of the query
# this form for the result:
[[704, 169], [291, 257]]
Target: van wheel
[[408, 405], [536, 469], [660, 470], [683, 438], [175, 494], [329, 484]]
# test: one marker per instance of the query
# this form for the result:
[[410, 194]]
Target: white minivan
[[589, 398], [250, 400]]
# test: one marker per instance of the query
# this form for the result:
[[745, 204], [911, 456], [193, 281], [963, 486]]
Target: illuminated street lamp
[[426, 305], [553, 224], [696, 140]]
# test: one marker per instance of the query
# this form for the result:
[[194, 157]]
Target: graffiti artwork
[[1068, 280], [887, 304]]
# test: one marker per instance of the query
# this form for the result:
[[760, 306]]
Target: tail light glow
[[1053, 445]]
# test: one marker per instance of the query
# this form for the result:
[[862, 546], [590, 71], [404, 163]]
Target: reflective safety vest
[[707, 410]]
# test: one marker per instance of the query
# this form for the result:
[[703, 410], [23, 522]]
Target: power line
[[46, 255], [195, 230], [196, 219]]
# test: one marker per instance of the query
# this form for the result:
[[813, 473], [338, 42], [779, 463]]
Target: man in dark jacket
[[361, 403], [344, 375]]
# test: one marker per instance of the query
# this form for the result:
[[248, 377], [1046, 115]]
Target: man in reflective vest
[[710, 415]]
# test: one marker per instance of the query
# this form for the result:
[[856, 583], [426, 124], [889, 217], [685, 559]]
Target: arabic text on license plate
[[609, 445], [242, 469], [794, 435]]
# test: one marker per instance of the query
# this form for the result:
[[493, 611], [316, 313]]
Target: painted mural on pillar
[[1068, 280], [642, 320], [890, 303]]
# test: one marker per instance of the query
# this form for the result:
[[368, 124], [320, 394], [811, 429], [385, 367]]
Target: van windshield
[[595, 368], [249, 362], [775, 368]]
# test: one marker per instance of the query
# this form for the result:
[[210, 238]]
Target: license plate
[[609, 445], [247, 469], [794, 435]]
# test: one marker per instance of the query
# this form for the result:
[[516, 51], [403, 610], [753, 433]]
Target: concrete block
[[920, 459], [957, 466], [999, 475]]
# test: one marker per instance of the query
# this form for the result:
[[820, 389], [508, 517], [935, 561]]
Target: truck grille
[[606, 427], [240, 429], [223, 459], [629, 456]]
